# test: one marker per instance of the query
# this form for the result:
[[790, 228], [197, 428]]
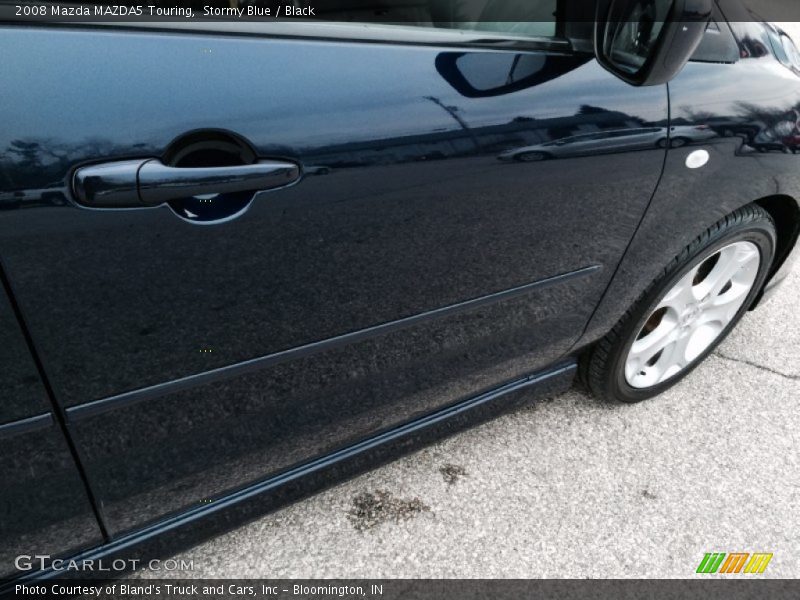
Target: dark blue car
[[242, 259]]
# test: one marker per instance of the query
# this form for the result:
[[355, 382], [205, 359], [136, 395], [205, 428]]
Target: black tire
[[678, 142], [602, 368]]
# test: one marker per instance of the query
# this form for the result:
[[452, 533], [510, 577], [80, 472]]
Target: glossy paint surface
[[194, 445], [405, 209], [23, 393], [459, 218], [415, 212], [44, 508], [745, 116], [43, 505]]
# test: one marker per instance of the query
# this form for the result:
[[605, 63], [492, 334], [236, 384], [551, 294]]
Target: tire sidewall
[[761, 233]]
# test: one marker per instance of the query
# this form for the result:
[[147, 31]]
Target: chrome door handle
[[149, 182]]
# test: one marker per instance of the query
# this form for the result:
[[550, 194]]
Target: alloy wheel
[[692, 314]]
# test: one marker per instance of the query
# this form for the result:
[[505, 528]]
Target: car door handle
[[149, 182]]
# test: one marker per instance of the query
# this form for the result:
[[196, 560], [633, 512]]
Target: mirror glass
[[633, 31]]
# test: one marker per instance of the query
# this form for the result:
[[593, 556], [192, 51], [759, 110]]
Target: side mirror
[[648, 42]]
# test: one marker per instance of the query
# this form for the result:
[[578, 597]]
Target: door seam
[[56, 410]]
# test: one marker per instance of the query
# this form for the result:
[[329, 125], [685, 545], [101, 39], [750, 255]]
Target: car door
[[201, 345]]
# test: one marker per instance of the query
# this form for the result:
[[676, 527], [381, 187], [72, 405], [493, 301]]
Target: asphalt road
[[570, 487]]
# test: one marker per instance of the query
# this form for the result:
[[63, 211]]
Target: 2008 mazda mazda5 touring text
[[242, 260]]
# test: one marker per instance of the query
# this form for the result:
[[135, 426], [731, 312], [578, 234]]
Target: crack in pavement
[[757, 366]]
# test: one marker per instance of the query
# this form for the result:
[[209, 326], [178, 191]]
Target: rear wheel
[[686, 312]]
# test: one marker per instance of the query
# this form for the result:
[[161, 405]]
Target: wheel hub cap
[[690, 315]]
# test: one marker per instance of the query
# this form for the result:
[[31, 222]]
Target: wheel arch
[[785, 212], [625, 285]]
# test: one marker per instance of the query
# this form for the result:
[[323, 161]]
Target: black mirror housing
[[648, 42]]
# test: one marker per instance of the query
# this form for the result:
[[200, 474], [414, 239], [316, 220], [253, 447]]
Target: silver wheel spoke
[[675, 360], [682, 295], [732, 259], [677, 356], [656, 341], [649, 347], [721, 314], [692, 315]]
